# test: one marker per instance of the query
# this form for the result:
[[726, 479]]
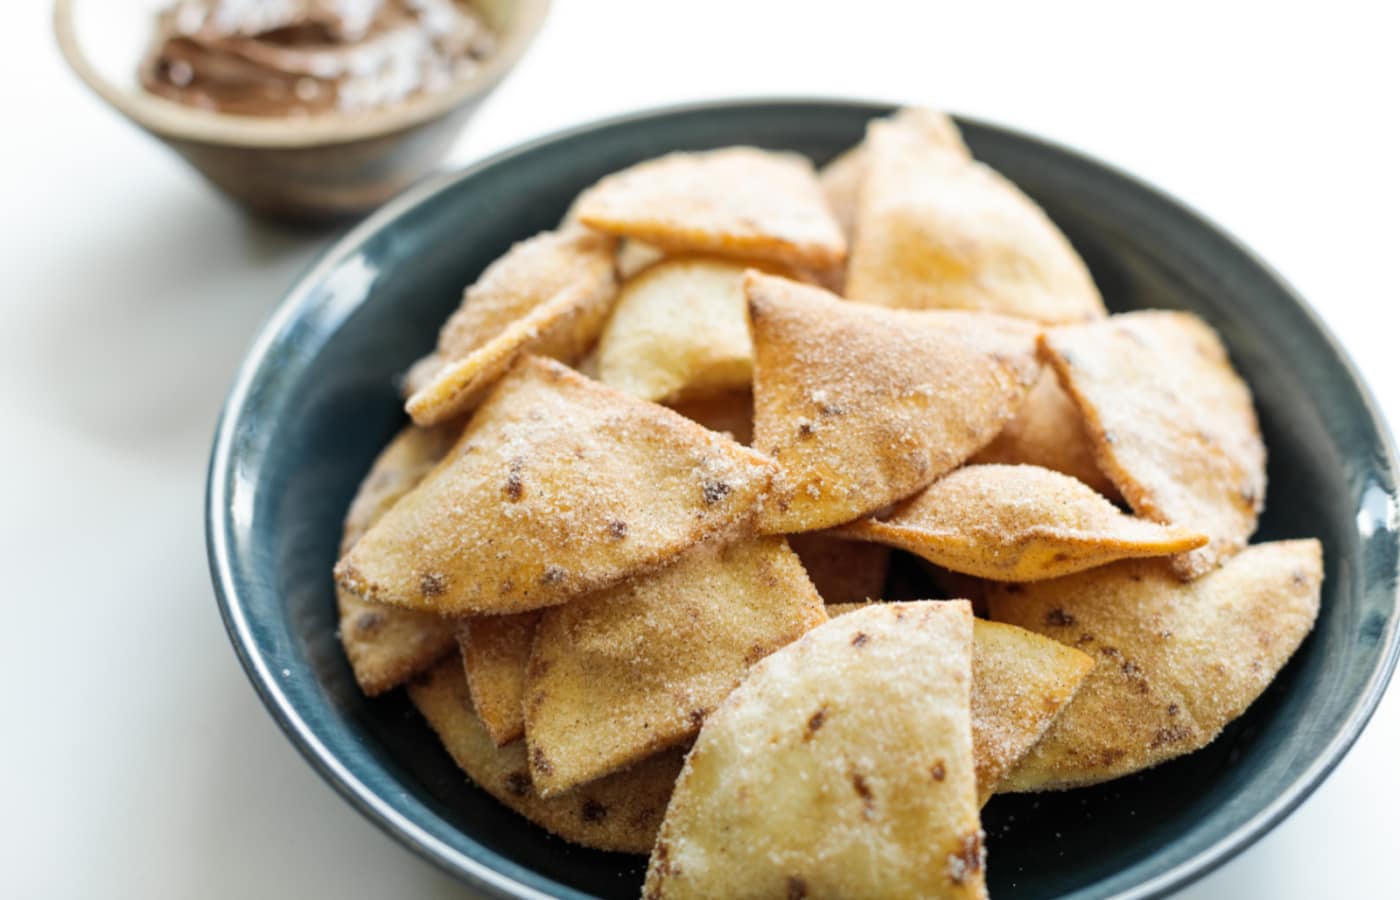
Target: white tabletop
[[141, 764]]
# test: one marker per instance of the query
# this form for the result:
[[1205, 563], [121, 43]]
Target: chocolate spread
[[303, 57]]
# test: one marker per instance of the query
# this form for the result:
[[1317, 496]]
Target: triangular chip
[[841, 767], [679, 329], [549, 295], [1020, 682], [387, 645], [863, 406], [558, 487], [1049, 432], [621, 812], [843, 571], [1172, 424], [1176, 661], [632, 670], [495, 652], [730, 413], [1019, 523], [737, 201], [938, 231]]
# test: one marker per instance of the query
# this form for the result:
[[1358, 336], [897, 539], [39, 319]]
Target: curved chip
[[549, 295], [841, 767], [624, 673], [1019, 523], [730, 413], [559, 486], [1049, 432], [387, 645], [621, 812], [937, 231], [1173, 425], [495, 652], [679, 329], [843, 571], [1176, 661], [863, 406], [737, 201]]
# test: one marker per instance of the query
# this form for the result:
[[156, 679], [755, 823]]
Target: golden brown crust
[[1018, 523], [549, 295], [558, 487], [863, 406], [843, 571], [621, 812], [938, 231], [495, 652], [737, 201], [1173, 426], [387, 645], [800, 785], [630, 671], [1176, 661]]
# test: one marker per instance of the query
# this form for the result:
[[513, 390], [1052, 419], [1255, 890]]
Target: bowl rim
[[482, 876], [169, 119]]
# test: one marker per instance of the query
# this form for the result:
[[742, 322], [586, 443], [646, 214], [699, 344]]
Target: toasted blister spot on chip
[[623, 673], [621, 812], [1018, 523], [1173, 425], [896, 397], [736, 201], [585, 455], [769, 805], [549, 295], [495, 652], [1178, 661], [936, 230]]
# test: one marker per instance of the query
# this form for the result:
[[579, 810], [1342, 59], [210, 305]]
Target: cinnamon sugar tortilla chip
[[549, 295], [1176, 661], [559, 486], [1172, 424], [635, 669], [843, 571], [936, 230], [495, 652], [679, 329], [621, 812], [841, 767], [387, 645], [1049, 432], [863, 406], [1018, 523], [730, 413], [737, 201]]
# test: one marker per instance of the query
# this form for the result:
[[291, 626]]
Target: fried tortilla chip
[[680, 329], [1020, 682], [495, 652], [730, 414], [630, 671], [936, 230], [841, 767], [842, 570], [737, 201], [387, 645], [1172, 424], [1018, 523], [621, 812], [863, 406], [558, 487], [1049, 432], [549, 295], [1176, 661]]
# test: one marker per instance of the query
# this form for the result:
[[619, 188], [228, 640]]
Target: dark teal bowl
[[315, 401]]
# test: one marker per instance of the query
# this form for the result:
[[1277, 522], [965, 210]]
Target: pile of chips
[[630, 557]]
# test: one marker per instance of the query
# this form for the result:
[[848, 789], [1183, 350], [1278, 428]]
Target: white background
[[137, 761]]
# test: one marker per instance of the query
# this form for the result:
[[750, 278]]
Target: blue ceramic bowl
[[315, 401]]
